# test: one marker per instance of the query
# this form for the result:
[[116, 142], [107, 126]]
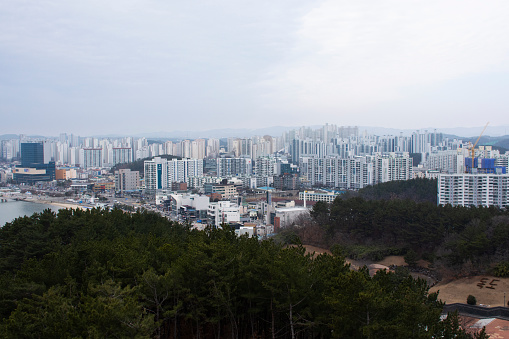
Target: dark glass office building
[[32, 153]]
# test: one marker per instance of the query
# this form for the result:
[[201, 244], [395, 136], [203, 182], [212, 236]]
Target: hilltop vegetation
[[378, 222], [417, 190], [103, 274]]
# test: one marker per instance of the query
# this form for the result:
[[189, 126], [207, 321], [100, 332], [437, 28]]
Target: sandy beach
[[73, 206], [49, 201]]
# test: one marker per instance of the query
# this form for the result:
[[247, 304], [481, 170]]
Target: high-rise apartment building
[[346, 173], [265, 166], [357, 172], [198, 149], [122, 155], [392, 166], [449, 161], [264, 171], [8, 151], [92, 158], [473, 189], [161, 173], [234, 167], [213, 147]]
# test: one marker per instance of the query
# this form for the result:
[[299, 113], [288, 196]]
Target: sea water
[[12, 209]]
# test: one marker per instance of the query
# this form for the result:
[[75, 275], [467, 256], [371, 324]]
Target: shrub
[[411, 258], [501, 269], [471, 300]]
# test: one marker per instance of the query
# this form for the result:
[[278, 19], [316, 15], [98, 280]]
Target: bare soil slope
[[316, 250], [356, 264], [488, 290]]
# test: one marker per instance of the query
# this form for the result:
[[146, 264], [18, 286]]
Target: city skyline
[[327, 139], [462, 132], [141, 67], [338, 157]]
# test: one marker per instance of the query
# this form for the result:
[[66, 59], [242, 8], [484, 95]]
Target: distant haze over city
[[493, 131]]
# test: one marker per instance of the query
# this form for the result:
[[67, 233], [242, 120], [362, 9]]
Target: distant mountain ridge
[[455, 132], [458, 132], [8, 136], [501, 143], [220, 133]]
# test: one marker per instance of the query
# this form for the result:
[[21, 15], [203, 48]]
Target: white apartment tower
[[358, 172], [92, 158], [473, 189], [449, 161], [161, 173], [212, 147], [390, 167], [122, 155], [346, 173], [198, 149], [226, 167]]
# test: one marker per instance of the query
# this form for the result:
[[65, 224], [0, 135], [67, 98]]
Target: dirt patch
[[385, 263], [373, 268], [488, 290], [356, 264], [392, 260], [431, 281], [316, 250]]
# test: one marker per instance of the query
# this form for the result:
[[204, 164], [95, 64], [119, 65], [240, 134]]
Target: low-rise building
[[189, 206], [223, 212], [103, 186], [319, 196], [226, 191], [34, 173], [3, 175], [126, 180], [286, 181], [66, 173], [283, 217], [421, 172], [243, 230]]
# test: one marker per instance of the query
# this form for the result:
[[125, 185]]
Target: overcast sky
[[126, 66]]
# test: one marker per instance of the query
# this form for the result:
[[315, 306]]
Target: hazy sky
[[125, 66]]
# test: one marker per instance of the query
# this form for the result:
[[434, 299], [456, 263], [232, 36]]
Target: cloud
[[354, 55], [123, 58], [230, 63]]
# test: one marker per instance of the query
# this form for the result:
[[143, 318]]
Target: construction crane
[[472, 147]]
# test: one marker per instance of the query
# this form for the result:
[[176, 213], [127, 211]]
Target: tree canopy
[[113, 274], [473, 239]]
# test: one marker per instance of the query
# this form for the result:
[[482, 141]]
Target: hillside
[[458, 241], [418, 190], [107, 274]]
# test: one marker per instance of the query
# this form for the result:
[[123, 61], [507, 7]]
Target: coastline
[[55, 203]]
